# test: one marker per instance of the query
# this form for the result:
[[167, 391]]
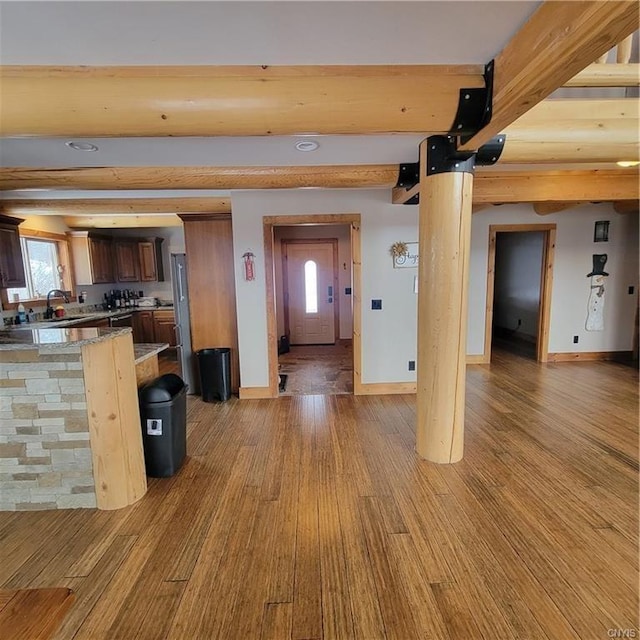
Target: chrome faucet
[[48, 314]]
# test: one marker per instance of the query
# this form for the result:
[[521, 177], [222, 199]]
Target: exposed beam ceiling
[[231, 101], [559, 40]]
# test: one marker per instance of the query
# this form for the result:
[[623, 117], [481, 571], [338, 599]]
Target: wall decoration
[[595, 305], [601, 231], [249, 266], [405, 254]]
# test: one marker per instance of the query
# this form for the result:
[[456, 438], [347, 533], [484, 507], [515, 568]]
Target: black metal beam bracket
[[475, 107]]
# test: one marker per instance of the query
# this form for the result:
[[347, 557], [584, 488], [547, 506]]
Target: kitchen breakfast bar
[[70, 432]]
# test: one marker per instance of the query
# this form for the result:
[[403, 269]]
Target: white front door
[[311, 292]]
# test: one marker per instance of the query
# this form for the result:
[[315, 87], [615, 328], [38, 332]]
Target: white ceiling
[[232, 33], [273, 33]]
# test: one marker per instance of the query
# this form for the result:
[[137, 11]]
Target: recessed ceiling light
[[307, 145], [81, 146], [628, 163]]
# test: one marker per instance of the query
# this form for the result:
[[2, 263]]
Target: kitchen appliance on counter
[[186, 357]]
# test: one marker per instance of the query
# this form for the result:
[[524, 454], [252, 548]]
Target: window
[[311, 286], [45, 265]]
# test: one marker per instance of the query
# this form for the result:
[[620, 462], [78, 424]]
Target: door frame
[[334, 279], [269, 223], [546, 283]]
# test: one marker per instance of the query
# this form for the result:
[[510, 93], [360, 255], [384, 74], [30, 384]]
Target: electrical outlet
[[376, 305], [631, 290], [412, 365], [575, 339]]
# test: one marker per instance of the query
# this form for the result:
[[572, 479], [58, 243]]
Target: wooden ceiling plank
[[607, 75], [249, 101], [115, 206], [559, 40]]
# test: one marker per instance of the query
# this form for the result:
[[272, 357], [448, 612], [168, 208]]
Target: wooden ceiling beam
[[574, 187], [607, 75], [589, 131], [329, 177], [122, 222], [231, 101], [559, 40], [547, 208], [115, 206]]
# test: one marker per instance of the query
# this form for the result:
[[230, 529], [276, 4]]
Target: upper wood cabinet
[[11, 265], [150, 255], [127, 265], [92, 258]]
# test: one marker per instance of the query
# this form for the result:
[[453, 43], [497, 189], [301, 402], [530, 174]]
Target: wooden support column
[[444, 236]]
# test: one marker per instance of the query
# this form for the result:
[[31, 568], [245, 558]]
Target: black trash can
[[215, 373], [163, 413]]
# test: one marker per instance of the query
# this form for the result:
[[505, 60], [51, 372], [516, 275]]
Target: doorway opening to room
[[312, 303], [519, 280]]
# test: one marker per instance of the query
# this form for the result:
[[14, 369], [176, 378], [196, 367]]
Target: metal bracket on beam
[[444, 157], [475, 107], [490, 152], [408, 175]]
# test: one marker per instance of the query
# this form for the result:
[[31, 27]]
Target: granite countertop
[[143, 351], [78, 317], [56, 337]]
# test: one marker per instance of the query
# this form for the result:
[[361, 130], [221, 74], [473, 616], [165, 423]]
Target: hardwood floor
[[312, 517]]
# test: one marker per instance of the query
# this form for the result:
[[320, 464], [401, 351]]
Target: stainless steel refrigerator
[[186, 357]]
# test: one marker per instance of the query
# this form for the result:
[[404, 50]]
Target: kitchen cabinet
[[11, 265], [92, 258], [127, 261], [164, 326], [150, 257], [143, 326], [98, 322]]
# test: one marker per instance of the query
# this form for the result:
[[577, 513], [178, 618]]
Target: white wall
[[516, 295], [574, 248], [343, 234], [389, 336]]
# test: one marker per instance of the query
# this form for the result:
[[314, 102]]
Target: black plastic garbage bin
[[163, 413], [215, 373]]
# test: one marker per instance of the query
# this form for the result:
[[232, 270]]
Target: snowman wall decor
[[595, 306]]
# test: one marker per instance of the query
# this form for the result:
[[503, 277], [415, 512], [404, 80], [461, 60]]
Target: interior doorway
[[519, 280], [313, 309]]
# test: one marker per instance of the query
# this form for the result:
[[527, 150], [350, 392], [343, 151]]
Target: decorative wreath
[[399, 249]]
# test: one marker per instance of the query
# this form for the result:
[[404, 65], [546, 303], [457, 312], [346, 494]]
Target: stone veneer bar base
[[45, 454]]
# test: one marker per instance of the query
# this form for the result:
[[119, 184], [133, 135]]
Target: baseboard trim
[[590, 356], [256, 393], [478, 359], [384, 388]]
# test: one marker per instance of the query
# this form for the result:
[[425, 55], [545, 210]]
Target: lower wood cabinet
[[11, 265], [154, 326]]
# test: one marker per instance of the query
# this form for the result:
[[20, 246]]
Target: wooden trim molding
[[386, 388], [479, 358], [546, 284], [203, 217], [590, 356], [269, 222]]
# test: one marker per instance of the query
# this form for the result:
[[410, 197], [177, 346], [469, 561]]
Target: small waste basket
[[215, 373], [163, 413]]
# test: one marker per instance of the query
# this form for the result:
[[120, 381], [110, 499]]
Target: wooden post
[[444, 236]]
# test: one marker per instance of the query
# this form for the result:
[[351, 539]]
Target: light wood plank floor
[[311, 517]]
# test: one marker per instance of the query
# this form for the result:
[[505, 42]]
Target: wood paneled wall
[[212, 289]]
